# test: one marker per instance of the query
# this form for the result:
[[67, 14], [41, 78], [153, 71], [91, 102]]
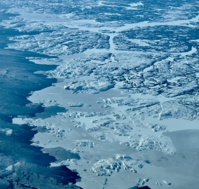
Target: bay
[[21, 164]]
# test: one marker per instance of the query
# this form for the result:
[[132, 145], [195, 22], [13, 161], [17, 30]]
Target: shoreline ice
[[122, 95]]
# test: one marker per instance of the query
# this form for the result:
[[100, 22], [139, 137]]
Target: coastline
[[23, 165], [124, 102]]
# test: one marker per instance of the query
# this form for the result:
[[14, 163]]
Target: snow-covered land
[[127, 77]]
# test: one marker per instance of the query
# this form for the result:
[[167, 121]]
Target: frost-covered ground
[[128, 78]]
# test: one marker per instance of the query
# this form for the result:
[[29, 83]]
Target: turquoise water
[[17, 80]]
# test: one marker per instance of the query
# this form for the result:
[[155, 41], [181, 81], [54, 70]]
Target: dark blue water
[[29, 166], [143, 187]]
